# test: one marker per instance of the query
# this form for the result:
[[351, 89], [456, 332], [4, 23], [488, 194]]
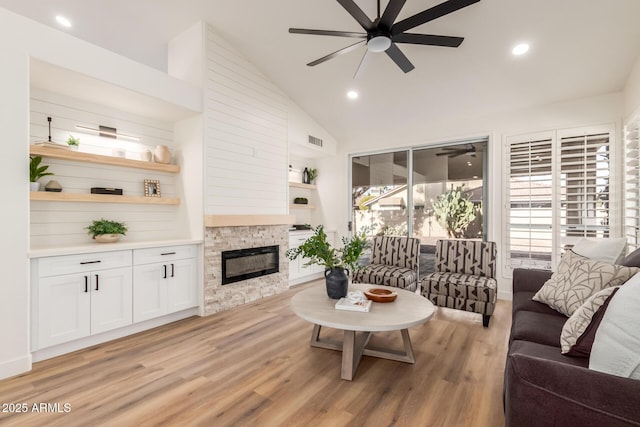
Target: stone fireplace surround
[[222, 234]]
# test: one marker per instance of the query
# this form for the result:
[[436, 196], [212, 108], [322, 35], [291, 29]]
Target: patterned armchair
[[394, 262], [464, 277]]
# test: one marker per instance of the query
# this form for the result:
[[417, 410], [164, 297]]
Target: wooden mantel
[[247, 220]]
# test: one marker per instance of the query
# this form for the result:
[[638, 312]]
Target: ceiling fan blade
[[398, 57], [361, 64], [428, 39], [327, 33], [336, 53], [391, 13], [430, 14], [357, 14]]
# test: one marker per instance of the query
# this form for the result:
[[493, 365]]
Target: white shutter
[[558, 189], [585, 196], [530, 202], [632, 183]]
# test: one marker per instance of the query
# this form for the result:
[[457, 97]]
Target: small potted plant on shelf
[[105, 231], [36, 172], [337, 262], [73, 142], [313, 174]]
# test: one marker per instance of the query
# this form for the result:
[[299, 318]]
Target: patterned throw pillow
[[577, 278], [580, 329]]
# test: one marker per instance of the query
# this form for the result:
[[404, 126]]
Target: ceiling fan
[[383, 33], [456, 151]]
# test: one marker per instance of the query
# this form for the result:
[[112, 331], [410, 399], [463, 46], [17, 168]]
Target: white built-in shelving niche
[[70, 99]]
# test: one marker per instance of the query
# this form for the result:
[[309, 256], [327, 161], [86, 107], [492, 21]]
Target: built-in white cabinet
[[80, 295], [165, 281], [298, 271]]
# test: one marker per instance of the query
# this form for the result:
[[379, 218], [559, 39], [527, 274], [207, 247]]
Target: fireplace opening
[[243, 264]]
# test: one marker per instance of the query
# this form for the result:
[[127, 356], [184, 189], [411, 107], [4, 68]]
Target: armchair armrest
[[529, 280], [542, 392]]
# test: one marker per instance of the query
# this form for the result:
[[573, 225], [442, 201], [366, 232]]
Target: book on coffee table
[[345, 304]]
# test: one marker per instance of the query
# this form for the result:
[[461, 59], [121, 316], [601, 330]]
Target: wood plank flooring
[[253, 366]]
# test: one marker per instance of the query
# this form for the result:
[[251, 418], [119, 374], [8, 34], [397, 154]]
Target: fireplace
[[243, 264]]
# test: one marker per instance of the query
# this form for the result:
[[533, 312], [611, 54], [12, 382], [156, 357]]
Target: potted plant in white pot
[[36, 172], [336, 262], [106, 231]]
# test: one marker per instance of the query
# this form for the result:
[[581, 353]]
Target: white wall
[[245, 135], [632, 90], [20, 40], [335, 195]]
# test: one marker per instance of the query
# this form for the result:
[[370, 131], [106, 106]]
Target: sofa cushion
[[577, 278], [609, 250], [537, 327], [379, 274], [522, 301], [633, 259], [616, 347], [579, 330], [547, 352]]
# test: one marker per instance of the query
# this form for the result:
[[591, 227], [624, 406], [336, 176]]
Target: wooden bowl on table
[[380, 295]]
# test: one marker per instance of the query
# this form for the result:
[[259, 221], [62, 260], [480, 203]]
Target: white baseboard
[[505, 295], [15, 367]]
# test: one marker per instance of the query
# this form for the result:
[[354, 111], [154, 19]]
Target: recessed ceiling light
[[520, 49], [469, 164], [352, 94], [63, 21]]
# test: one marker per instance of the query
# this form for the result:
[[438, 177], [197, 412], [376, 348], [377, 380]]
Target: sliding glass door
[[379, 193], [447, 197]]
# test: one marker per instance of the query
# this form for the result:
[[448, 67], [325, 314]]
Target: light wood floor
[[253, 366]]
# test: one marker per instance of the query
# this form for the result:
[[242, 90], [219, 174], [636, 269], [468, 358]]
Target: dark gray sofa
[[545, 388]]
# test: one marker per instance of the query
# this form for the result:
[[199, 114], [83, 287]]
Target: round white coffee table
[[409, 309]]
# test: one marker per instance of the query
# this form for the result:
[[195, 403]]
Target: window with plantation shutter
[[632, 183], [558, 190]]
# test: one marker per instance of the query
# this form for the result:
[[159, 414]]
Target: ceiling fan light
[[378, 44]]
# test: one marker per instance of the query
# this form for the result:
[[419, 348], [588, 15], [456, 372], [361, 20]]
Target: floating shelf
[[301, 206], [46, 196], [301, 185], [61, 153]]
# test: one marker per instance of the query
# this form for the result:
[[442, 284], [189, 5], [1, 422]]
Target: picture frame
[[151, 188]]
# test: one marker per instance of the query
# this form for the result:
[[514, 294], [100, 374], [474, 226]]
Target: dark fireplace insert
[[243, 264]]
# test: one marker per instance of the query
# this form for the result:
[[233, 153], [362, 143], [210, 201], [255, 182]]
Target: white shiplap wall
[[245, 135], [62, 223]]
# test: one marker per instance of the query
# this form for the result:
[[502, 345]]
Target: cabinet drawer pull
[[97, 283], [89, 262], [168, 253], [165, 271], [172, 270], [86, 284]]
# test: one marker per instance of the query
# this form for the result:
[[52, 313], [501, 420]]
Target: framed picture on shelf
[[151, 188]]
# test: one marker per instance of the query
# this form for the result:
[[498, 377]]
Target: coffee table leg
[[353, 346]]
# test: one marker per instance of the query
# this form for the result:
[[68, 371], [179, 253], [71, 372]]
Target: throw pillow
[[608, 250], [632, 260], [579, 330], [577, 278], [616, 347]]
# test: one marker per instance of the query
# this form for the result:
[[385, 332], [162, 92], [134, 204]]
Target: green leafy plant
[[73, 141], [35, 170], [313, 174], [104, 226], [318, 250], [454, 211]]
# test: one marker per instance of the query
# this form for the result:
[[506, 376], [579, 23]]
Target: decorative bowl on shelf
[[380, 295]]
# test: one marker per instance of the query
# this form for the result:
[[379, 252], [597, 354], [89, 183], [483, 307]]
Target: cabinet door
[[181, 287], [149, 291], [64, 309], [111, 299]]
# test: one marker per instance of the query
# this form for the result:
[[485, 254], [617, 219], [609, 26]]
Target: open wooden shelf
[[301, 185], [47, 196], [61, 153], [301, 206]]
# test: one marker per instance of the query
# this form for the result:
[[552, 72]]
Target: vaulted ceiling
[[578, 48]]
